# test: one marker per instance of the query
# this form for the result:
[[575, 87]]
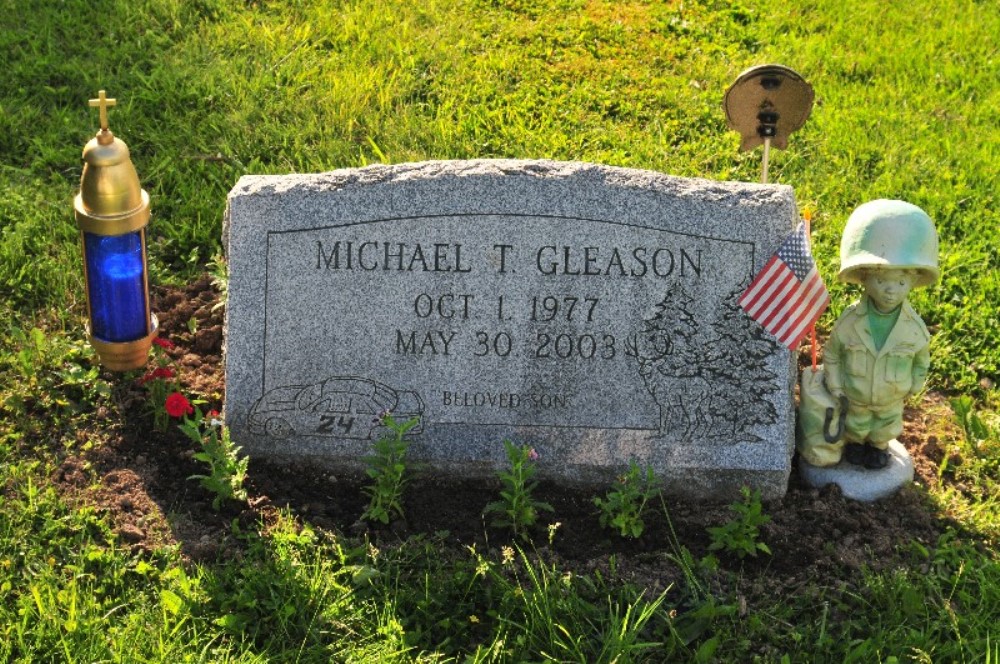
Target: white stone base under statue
[[860, 483]]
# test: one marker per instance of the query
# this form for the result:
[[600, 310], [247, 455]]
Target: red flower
[[163, 343], [177, 405], [159, 372]]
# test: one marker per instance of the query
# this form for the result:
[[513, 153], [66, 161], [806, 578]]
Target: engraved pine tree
[[666, 351], [736, 357]]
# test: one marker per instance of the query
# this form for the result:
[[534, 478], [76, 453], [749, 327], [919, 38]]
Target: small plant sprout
[[387, 470], [740, 535], [227, 471], [977, 451], [517, 509], [553, 529], [623, 505], [981, 432], [219, 270]]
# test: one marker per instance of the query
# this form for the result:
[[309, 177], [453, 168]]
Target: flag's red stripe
[[782, 280], [797, 303], [782, 305], [799, 327], [761, 281], [804, 304], [817, 301], [764, 279], [792, 340], [795, 328]]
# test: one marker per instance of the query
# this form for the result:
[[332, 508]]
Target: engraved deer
[[665, 352]]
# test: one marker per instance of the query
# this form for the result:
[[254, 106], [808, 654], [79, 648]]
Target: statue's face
[[888, 288]]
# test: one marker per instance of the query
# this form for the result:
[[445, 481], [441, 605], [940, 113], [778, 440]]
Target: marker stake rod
[[767, 159]]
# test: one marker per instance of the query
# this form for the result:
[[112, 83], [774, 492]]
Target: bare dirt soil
[[139, 478]]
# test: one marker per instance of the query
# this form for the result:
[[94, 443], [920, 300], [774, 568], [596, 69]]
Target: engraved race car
[[340, 407]]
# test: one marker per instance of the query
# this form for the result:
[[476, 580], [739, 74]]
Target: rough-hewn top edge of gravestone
[[379, 174]]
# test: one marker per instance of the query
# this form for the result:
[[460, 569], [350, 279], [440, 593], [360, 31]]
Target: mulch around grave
[[138, 477]]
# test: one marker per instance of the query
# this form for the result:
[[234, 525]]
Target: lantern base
[[125, 355]]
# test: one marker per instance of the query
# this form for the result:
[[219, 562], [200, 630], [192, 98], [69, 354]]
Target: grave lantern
[[112, 211]]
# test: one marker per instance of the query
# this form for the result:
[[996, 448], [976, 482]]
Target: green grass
[[209, 90]]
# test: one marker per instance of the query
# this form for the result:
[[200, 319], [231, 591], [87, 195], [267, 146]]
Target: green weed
[[741, 534], [982, 436], [387, 470], [226, 470], [622, 507], [517, 508], [218, 268]]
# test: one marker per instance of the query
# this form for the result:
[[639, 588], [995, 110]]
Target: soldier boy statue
[[877, 355]]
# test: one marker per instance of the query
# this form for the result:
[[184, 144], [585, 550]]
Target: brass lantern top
[[111, 201]]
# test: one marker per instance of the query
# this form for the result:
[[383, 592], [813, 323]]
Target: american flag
[[788, 296]]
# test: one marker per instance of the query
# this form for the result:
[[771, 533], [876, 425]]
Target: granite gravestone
[[589, 311]]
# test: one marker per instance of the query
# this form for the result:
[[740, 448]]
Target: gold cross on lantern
[[103, 102]]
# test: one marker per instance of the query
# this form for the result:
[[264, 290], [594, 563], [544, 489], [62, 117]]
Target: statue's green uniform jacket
[[876, 383], [876, 380]]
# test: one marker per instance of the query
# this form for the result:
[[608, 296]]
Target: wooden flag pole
[[807, 218], [767, 158], [813, 345]]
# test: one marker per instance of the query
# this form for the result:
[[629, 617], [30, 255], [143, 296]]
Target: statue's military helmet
[[884, 233]]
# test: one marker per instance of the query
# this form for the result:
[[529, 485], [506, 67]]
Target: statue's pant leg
[[877, 426], [887, 424]]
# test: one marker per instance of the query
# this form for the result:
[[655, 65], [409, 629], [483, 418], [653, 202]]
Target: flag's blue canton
[[795, 253]]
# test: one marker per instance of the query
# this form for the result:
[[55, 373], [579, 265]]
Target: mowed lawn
[[907, 106]]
